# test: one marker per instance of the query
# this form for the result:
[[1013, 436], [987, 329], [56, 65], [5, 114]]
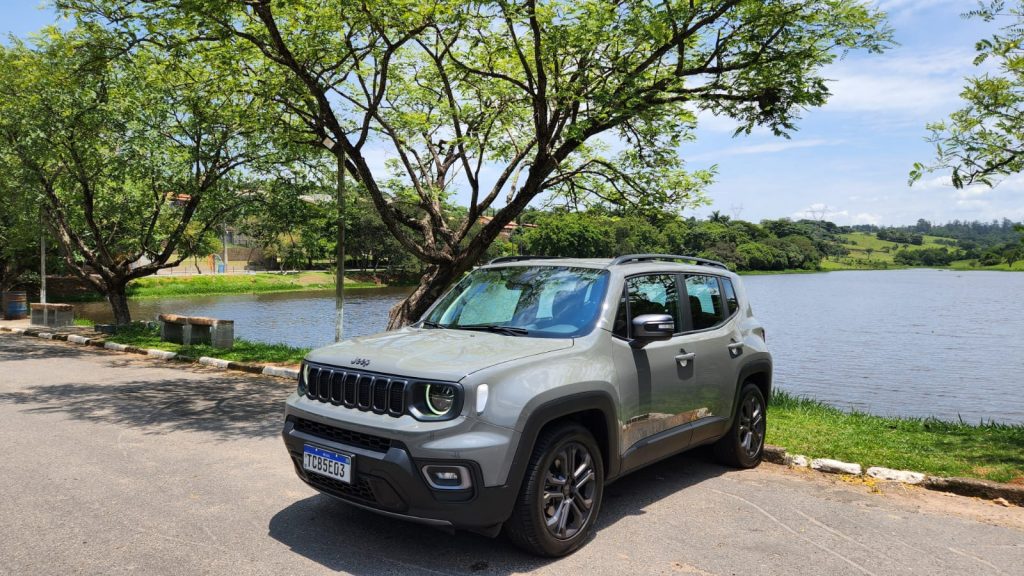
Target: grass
[[208, 284], [158, 287], [143, 336], [1001, 267], [989, 451]]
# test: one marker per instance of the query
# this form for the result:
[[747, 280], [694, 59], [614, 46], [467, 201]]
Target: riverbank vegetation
[[214, 284], [144, 336], [984, 450]]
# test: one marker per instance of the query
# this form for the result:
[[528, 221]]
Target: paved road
[[113, 464]]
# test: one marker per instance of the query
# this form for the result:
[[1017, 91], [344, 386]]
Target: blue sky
[[849, 160]]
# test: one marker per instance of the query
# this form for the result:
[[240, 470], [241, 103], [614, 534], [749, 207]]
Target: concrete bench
[[188, 330], [52, 315]]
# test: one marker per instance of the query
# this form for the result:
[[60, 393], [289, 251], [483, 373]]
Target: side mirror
[[651, 327]]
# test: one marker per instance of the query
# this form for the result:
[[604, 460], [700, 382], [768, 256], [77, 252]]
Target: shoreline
[[272, 282]]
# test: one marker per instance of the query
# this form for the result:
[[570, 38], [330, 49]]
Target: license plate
[[327, 463]]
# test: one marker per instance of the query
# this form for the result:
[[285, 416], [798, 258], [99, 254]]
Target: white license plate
[[327, 463]]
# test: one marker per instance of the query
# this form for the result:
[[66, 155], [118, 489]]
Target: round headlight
[[440, 398]]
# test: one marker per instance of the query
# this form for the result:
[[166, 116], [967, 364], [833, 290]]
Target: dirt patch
[[911, 497]]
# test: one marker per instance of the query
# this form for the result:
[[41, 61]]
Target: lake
[[902, 342]]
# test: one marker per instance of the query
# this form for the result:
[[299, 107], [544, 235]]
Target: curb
[[219, 363], [1005, 494]]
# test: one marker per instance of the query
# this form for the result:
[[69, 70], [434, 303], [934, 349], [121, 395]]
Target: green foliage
[[925, 257], [134, 149], [986, 450], [583, 102], [982, 142]]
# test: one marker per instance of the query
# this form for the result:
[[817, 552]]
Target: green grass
[[935, 447], [243, 351], [1002, 267], [157, 286]]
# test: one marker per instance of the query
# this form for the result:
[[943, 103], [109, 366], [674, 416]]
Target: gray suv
[[528, 387]]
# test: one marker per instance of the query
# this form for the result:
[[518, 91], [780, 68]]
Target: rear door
[[715, 343]]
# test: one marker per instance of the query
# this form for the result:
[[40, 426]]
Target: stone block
[[835, 466], [905, 476]]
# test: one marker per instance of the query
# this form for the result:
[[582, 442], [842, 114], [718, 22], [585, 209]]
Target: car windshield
[[541, 301]]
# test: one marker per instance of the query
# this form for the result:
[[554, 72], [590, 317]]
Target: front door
[[664, 383]]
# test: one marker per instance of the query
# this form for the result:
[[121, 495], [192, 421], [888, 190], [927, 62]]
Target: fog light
[[447, 477]]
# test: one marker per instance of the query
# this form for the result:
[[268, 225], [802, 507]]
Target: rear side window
[[706, 306], [731, 303]]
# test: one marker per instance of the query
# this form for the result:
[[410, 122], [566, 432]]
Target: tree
[[133, 148], [19, 233], [984, 140], [505, 102]]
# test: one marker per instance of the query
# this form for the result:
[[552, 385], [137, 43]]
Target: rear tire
[[559, 501], [743, 445]]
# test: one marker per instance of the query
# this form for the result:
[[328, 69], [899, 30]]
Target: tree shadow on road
[[345, 538], [225, 406], [18, 348]]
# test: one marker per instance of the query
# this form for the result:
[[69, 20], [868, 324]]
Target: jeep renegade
[[528, 387]]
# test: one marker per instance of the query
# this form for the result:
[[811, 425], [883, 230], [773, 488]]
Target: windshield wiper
[[497, 328], [432, 324]]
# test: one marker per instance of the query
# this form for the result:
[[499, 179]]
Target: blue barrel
[[15, 305]]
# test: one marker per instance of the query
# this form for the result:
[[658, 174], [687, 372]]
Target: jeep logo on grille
[[361, 362]]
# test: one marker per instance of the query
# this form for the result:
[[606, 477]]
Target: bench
[[52, 315], [188, 330]]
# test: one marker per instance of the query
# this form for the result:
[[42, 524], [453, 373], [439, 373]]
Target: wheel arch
[[759, 373], [595, 411]]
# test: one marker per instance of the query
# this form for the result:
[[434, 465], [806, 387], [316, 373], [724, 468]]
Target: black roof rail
[[501, 259], [652, 257]]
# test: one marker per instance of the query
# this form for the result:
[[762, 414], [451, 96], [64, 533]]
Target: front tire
[[743, 445], [561, 495]]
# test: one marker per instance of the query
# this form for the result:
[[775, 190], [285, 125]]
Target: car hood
[[432, 353]]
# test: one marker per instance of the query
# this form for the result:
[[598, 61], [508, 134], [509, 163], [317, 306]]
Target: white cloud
[[866, 218], [820, 211], [902, 9], [919, 85], [771, 147]]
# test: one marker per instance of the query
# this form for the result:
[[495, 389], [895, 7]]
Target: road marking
[[797, 534], [969, 555]]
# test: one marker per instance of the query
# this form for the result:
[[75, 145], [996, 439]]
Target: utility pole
[[225, 247], [42, 273], [339, 282]]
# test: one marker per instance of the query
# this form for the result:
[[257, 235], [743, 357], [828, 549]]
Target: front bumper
[[387, 478]]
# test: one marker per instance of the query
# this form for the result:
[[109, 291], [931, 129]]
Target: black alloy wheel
[[561, 494]]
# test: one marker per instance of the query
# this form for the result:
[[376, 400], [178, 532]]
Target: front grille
[[352, 389], [342, 436]]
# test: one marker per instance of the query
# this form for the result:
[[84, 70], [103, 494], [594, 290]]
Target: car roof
[[628, 267]]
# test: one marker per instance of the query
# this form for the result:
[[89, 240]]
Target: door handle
[[684, 359], [735, 349]]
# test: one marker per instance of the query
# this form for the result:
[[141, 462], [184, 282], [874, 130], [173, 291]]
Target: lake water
[[905, 342]]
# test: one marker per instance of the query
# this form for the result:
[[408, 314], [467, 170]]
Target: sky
[[849, 160]]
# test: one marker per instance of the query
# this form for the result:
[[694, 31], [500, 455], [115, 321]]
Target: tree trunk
[[430, 288], [118, 298]]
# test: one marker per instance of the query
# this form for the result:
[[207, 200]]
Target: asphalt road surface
[[116, 464]]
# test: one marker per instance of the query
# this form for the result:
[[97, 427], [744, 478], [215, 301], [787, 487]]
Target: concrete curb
[[1001, 493], [218, 363]]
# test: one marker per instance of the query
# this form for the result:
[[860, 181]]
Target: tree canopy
[[984, 141], [133, 150], [504, 102]]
